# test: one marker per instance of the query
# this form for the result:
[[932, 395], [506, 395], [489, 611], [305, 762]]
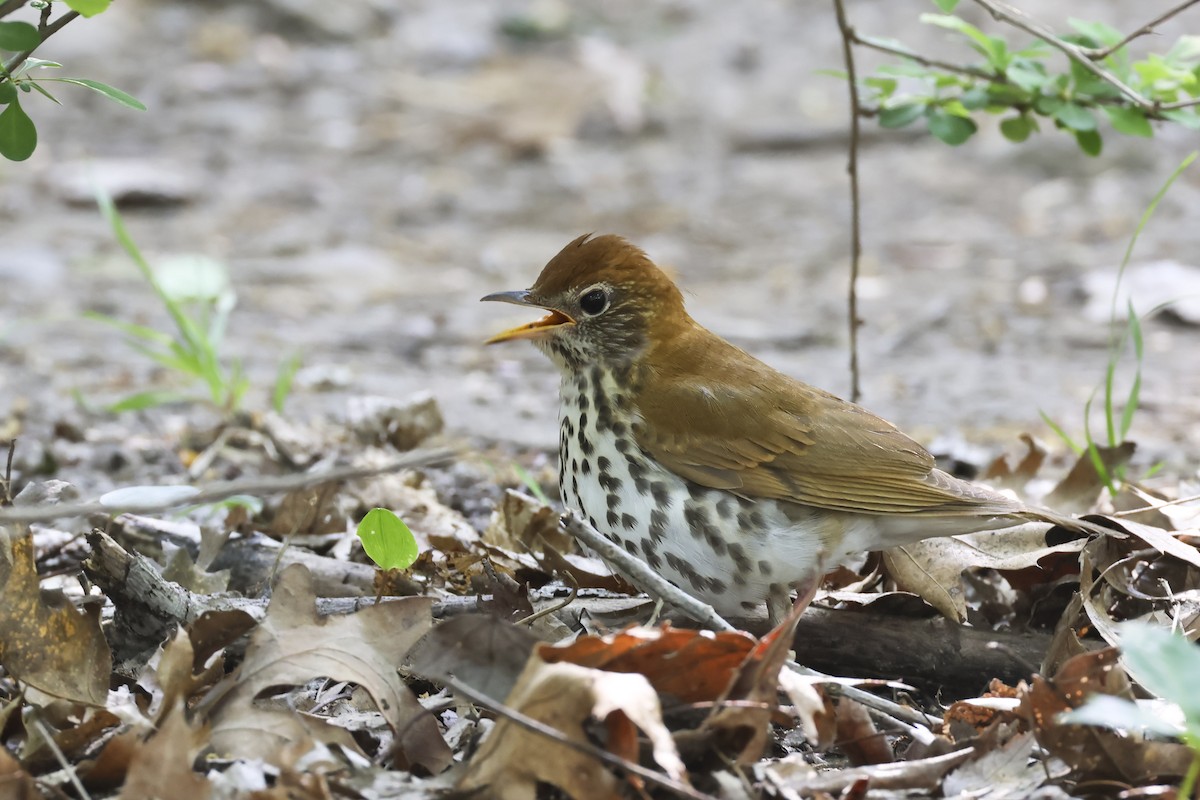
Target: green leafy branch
[[18, 134], [1100, 80]]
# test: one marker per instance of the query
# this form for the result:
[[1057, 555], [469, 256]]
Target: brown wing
[[762, 434]]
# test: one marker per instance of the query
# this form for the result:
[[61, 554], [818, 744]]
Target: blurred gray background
[[368, 170]]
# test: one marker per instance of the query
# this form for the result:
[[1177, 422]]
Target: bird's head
[[607, 303]]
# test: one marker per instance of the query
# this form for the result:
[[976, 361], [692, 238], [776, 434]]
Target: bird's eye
[[593, 301]]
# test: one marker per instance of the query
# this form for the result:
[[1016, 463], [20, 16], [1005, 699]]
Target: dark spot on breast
[[574, 466], [716, 586], [629, 521], [631, 547], [604, 464], [743, 520], [694, 517], [695, 490], [618, 429], [642, 485], [592, 522], [613, 500], [612, 519], [581, 400], [739, 579], [738, 554], [748, 606], [725, 507], [637, 469], [575, 485], [586, 467], [658, 525], [674, 562], [583, 421], [764, 567], [650, 553], [610, 482], [622, 444], [662, 495], [585, 444]]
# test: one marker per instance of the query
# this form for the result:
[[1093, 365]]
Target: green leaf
[[951, 129], [387, 540], [1075, 117], [1187, 117], [1163, 663], [18, 136], [947, 6], [18, 36], [1029, 75], [106, 90], [1089, 142], [1099, 32], [994, 49], [1062, 434], [8, 93], [975, 98], [1129, 121], [1017, 129], [1047, 104], [1108, 711], [884, 87], [88, 8], [42, 91], [899, 116]]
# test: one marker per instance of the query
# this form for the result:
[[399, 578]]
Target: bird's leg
[[780, 603]]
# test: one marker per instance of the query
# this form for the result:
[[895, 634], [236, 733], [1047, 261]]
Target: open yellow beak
[[532, 330]]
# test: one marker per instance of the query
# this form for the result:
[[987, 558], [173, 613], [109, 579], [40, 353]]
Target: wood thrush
[[732, 480]]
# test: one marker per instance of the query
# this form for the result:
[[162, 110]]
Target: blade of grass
[[1062, 434], [1131, 404], [283, 381]]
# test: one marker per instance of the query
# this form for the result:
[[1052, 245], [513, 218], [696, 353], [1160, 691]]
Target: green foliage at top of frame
[[1026, 88], [22, 74]]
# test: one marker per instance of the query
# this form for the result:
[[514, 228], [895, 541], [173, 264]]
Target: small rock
[[129, 182], [1150, 285]]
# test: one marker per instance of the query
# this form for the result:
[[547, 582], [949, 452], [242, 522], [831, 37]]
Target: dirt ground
[[368, 171]]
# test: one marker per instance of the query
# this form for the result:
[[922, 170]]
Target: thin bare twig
[[9, 6], [221, 491], [1100, 53], [642, 576], [904, 52], [6, 497], [848, 38], [587, 748]]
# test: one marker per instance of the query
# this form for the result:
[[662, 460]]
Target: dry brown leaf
[[162, 766], [919, 774], [1006, 477], [16, 783], [44, 641], [741, 728], [713, 659], [311, 510], [1095, 753], [521, 523], [483, 652], [1078, 491], [512, 760], [933, 568], [1006, 773], [293, 645], [858, 737]]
